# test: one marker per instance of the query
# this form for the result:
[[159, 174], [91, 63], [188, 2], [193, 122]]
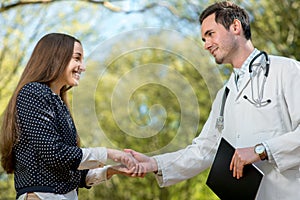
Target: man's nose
[[207, 45]]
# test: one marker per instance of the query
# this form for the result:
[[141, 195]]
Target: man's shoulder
[[282, 59]]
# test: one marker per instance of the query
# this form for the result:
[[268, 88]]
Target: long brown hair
[[48, 61]]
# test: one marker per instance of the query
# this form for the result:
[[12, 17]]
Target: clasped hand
[[133, 163]]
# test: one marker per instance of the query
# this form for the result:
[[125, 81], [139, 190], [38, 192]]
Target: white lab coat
[[277, 125]]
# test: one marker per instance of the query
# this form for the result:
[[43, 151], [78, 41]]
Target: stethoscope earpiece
[[267, 62]]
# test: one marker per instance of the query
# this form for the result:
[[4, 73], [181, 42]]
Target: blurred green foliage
[[148, 74]]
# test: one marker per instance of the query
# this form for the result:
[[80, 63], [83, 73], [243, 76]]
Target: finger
[[134, 154], [233, 165], [124, 160], [139, 171], [131, 171], [122, 169], [128, 160], [133, 158], [240, 170], [240, 167], [237, 169], [142, 173], [132, 163], [135, 170]]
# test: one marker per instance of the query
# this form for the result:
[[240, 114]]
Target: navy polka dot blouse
[[46, 155]]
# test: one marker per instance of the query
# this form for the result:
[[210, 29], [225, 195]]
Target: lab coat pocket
[[266, 118]]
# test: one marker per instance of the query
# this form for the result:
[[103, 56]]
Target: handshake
[[132, 163]]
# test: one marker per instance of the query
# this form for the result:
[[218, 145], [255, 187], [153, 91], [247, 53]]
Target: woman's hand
[[123, 170]]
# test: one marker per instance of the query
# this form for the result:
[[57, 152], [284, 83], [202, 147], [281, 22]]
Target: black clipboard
[[224, 185]]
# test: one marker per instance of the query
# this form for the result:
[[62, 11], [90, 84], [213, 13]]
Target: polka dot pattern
[[46, 155]]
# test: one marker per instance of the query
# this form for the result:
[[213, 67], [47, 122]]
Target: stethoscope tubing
[[259, 102]]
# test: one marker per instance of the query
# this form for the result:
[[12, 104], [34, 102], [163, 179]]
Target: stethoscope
[[258, 101]]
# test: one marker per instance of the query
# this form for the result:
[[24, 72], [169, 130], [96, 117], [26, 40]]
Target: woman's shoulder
[[35, 89]]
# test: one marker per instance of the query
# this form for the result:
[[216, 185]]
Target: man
[[260, 121]]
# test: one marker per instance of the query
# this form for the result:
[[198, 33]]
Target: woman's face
[[73, 71]]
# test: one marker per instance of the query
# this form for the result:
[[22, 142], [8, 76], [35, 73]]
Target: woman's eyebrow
[[77, 53]]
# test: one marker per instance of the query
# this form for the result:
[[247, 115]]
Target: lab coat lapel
[[233, 88], [231, 83], [245, 82]]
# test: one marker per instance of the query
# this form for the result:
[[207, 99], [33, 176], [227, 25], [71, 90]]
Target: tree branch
[[107, 4], [7, 6]]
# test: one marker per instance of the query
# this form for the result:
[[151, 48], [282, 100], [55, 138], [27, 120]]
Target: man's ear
[[236, 26]]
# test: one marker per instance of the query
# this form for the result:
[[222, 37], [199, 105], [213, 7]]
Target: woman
[[39, 142]]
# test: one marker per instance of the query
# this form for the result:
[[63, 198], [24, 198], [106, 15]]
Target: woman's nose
[[82, 67]]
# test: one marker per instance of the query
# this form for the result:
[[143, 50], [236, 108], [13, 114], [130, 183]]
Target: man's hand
[[124, 158], [146, 163], [240, 158]]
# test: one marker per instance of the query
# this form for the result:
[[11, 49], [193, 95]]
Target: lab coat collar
[[245, 81], [233, 88]]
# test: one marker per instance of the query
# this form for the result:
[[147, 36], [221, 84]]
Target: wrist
[[261, 151], [111, 154], [110, 172], [154, 166]]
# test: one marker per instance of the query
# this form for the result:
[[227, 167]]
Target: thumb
[[129, 151], [134, 154]]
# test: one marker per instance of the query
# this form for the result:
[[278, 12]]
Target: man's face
[[221, 43]]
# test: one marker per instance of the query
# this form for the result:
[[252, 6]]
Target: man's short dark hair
[[225, 13]]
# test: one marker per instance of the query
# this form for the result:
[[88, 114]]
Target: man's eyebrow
[[206, 33]]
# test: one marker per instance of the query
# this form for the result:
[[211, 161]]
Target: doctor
[[261, 121]]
